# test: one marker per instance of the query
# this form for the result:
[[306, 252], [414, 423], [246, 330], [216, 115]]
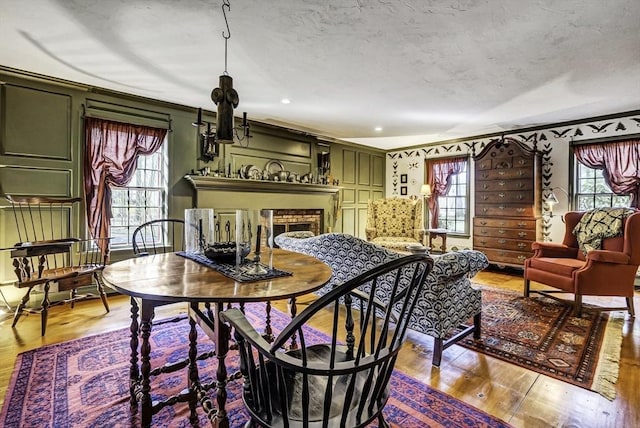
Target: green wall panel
[[349, 221], [363, 196], [35, 181], [364, 170], [349, 196], [377, 171], [35, 123], [348, 167]]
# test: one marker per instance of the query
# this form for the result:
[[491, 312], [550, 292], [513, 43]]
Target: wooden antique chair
[[609, 270], [46, 253], [341, 380], [158, 236]]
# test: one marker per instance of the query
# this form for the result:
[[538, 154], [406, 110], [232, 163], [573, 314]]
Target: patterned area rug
[[84, 383], [542, 335]]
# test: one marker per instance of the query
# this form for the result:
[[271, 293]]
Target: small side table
[[438, 233]]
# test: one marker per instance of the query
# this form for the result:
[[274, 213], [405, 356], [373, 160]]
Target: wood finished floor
[[516, 395]]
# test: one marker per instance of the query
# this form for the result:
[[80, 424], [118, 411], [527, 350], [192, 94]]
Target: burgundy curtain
[[439, 174], [620, 165], [111, 152]]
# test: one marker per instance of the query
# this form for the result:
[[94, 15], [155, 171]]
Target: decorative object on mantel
[[200, 182], [226, 98]]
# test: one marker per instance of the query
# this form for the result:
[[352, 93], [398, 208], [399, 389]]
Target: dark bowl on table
[[225, 252]]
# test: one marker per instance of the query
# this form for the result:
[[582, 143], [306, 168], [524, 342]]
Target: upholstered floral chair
[[394, 223], [448, 301]]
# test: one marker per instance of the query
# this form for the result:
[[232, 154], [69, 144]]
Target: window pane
[[152, 178], [119, 236], [118, 197], [154, 198], [119, 216]]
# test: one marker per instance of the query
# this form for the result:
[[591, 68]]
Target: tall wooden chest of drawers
[[507, 216]]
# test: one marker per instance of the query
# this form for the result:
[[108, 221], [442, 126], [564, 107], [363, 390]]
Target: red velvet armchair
[[609, 271]]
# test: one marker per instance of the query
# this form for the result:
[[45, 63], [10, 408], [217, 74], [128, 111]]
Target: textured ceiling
[[422, 70]]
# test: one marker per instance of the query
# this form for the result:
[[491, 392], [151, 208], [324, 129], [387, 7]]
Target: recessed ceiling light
[[285, 101], [378, 129]]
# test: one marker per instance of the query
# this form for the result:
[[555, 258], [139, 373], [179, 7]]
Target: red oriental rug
[[85, 383], [542, 334]]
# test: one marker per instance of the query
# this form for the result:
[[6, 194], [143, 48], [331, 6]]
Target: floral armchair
[[394, 223], [448, 301]]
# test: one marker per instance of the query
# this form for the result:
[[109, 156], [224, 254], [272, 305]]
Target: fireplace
[[290, 220]]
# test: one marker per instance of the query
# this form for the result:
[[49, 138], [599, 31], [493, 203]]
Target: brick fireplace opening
[[292, 220]]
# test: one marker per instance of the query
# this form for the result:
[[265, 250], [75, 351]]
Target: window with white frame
[[454, 207], [142, 200], [592, 191]]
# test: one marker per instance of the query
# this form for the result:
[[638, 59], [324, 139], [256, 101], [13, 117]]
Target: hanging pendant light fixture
[[226, 99]]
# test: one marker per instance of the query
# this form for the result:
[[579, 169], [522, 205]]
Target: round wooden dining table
[[159, 279]]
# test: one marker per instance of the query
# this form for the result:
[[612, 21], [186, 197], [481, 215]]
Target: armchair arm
[[418, 234], [606, 256], [552, 249]]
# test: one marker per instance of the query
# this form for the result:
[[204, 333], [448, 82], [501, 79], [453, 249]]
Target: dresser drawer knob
[[501, 207], [485, 197], [485, 186], [520, 185], [483, 223], [520, 210], [522, 245], [501, 172], [520, 197], [522, 258], [502, 231], [502, 195], [483, 242], [522, 234], [501, 183], [501, 241], [522, 224]]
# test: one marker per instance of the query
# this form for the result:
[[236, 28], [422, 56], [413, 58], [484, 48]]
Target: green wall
[[41, 137]]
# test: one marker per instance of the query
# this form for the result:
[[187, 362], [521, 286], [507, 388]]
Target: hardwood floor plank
[[514, 394]]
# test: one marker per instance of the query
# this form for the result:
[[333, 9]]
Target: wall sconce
[[425, 191], [552, 199], [206, 140]]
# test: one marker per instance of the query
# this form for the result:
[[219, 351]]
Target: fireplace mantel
[[241, 185]]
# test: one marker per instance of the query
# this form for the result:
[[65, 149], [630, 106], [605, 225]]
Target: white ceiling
[[423, 70]]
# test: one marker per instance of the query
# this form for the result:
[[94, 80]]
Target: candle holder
[[198, 229], [254, 229]]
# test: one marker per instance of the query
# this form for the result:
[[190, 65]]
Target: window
[[142, 200], [593, 192], [453, 213]]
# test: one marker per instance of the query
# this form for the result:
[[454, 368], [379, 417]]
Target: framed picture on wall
[[403, 178], [403, 190]]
